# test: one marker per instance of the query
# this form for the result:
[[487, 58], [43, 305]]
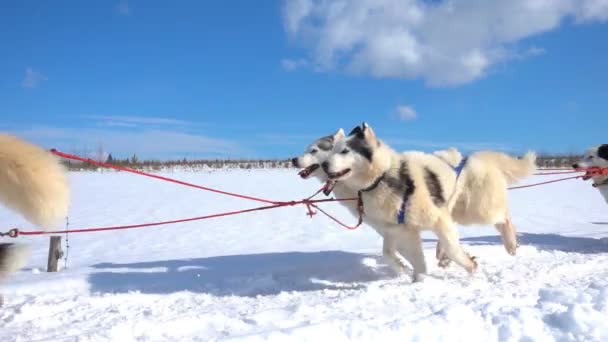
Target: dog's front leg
[[410, 246], [389, 252]]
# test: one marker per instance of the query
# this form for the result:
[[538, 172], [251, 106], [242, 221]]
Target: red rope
[[339, 222], [309, 202], [142, 173], [556, 173], [143, 225], [543, 183], [589, 172]]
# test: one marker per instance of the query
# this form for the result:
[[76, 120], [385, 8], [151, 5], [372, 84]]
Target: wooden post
[[55, 253]]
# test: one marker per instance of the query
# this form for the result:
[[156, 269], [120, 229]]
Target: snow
[[279, 275]]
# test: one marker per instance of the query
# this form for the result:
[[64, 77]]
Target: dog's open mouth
[[337, 175], [308, 171], [329, 187]]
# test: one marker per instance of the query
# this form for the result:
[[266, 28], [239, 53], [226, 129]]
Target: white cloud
[[131, 120], [32, 78], [447, 42], [123, 8], [406, 113], [293, 64]]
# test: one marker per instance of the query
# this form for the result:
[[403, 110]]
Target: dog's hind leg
[[508, 235], [448, 237], [389, 251], [12, 257], [410, 247]]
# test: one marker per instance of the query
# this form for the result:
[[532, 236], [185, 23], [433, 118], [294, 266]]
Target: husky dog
[[479, 183], [34, 184], [596, 156], [402, 195], [316, 153], [480, 196]]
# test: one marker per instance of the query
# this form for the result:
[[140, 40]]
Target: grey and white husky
[[596, 156]]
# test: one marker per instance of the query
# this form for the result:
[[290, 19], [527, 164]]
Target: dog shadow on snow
[[548, 242], [242, 275]]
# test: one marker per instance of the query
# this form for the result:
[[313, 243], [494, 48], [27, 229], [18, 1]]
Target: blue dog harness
[[401, 213], [460, 166], [401, 218]]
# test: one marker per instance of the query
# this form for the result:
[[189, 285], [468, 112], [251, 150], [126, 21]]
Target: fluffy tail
[[32, 182], [516, 169], [451, 156]]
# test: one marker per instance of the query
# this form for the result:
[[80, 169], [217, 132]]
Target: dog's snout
[[294, 161], [325, 166], [575, 166]]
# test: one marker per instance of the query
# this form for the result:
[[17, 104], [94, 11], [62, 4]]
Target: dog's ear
[[602, 151], [357, 131], [338, 135], [368, 132]]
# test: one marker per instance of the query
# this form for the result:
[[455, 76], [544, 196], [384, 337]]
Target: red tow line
[[308, 202], [589, 172]]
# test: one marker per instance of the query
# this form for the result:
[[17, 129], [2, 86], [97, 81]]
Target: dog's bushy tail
[[451, 156], [516, 169], [32, 182]]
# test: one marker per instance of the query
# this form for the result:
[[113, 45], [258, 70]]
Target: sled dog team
[[403, 193]]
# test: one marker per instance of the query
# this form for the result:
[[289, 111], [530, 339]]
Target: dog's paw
[[444, 262], [473, 264], [418, 278]]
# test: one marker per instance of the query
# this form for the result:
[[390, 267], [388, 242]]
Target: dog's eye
[[314, 151], [344, 151], [590, 157]]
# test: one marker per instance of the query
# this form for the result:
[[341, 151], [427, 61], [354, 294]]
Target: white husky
[[33, 183], [402, 195], [481, 191], [596, 156], [484, 178]]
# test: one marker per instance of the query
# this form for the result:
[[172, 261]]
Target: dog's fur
[[34, 184], [479, 195], [388, 179], [316, 153], [596, 156]]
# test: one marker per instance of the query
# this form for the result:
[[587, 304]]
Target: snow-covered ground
[[279, 275]]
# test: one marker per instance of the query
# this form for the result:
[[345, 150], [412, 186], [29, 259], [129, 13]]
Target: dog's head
[[317, 153], [596, 156], [352, 156]]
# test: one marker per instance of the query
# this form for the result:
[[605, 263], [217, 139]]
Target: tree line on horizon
[[543, 160]]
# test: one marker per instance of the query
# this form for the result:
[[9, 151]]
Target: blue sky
[[264, 78]]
